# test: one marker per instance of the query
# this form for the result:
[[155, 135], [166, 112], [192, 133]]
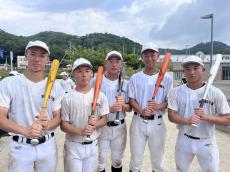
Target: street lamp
[[187, 49], [210, 16]]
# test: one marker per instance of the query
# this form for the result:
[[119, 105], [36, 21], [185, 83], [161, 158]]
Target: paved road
[[223, 140]]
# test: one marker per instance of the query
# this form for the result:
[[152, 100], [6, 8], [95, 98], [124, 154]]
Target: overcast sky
[[166, 23]]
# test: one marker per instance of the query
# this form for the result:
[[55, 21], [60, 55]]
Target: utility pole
[[11, 60], [134, 49]]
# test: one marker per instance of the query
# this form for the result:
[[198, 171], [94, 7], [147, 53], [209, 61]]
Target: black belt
[[152, 117], [192, 137], [86, 143], [40, 139], [112, 123]]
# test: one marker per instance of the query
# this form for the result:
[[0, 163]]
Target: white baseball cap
[[114, 54], [14, 73], [192, 59], [38, 44], [63, 74], [149, 47], [80, 62]]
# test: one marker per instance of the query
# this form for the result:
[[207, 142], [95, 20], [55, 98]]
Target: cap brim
[[192, 62], [38, 47], [114, 55], [84, 64], [149, 49]]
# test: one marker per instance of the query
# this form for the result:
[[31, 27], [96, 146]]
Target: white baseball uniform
[[197, 141], [67, 84], [113, 138], [141, 87], [76, 108], [24, 100]]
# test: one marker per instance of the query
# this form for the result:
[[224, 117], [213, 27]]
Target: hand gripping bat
[[97, 88], [212, 75], [161, 75]]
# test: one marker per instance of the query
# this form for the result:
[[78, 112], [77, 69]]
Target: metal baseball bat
[[97, 88], [161, 75], [119, 91], [49, 85], [212, 75]]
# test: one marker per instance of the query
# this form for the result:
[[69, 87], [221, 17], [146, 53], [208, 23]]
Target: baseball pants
[[79, 157], [114, 139], [25, 157], [153, 132], [205, 150]]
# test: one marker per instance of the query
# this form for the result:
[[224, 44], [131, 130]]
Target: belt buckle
[[117, 121], [34, 142]]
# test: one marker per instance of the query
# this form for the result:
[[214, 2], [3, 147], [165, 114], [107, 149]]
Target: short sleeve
[[222, 106], [104, 108], [65, 110], [59, 93], [172, 100], [131, 89], [5, 97]]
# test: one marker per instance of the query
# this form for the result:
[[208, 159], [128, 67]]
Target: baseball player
[[21, 98], [80, 155], [113, 135], [147, 125], [66, 82], [183, 104]]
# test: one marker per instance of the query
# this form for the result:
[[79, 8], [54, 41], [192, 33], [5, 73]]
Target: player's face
[[113, 65], [83, 75], [150, 58], [37, 59], [194, 72]]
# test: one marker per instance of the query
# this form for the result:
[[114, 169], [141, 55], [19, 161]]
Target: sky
[[165, 23]]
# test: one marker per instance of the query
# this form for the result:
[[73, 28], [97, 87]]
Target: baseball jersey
[[109, 88], [77, 106], [141, 88], [67, 84], [24, 99], [184, 100]]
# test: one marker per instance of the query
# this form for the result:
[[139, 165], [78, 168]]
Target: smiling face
[[37, 59], [113, 65], [83, 75], [194, 73], [150, 58]]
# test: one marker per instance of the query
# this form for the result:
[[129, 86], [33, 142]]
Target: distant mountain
[[59, 42], [218, 47]]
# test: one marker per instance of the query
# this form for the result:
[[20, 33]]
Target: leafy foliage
[[93, 47]]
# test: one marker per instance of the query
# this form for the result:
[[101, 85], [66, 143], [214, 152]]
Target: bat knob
[[117, 121], [87, 139], [194, 125], [145, 121]]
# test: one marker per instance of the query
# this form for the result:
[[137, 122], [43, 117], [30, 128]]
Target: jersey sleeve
[[65, 110], [222, 106], [169, 86], [131, 88], [5, 97], [104, 108], [172, 100], [126, 84], [59, 93]]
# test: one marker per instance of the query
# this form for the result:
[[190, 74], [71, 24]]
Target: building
[[21, 62], [223, 73]]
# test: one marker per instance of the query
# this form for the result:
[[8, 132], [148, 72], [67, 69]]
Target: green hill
[[92, 46]]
